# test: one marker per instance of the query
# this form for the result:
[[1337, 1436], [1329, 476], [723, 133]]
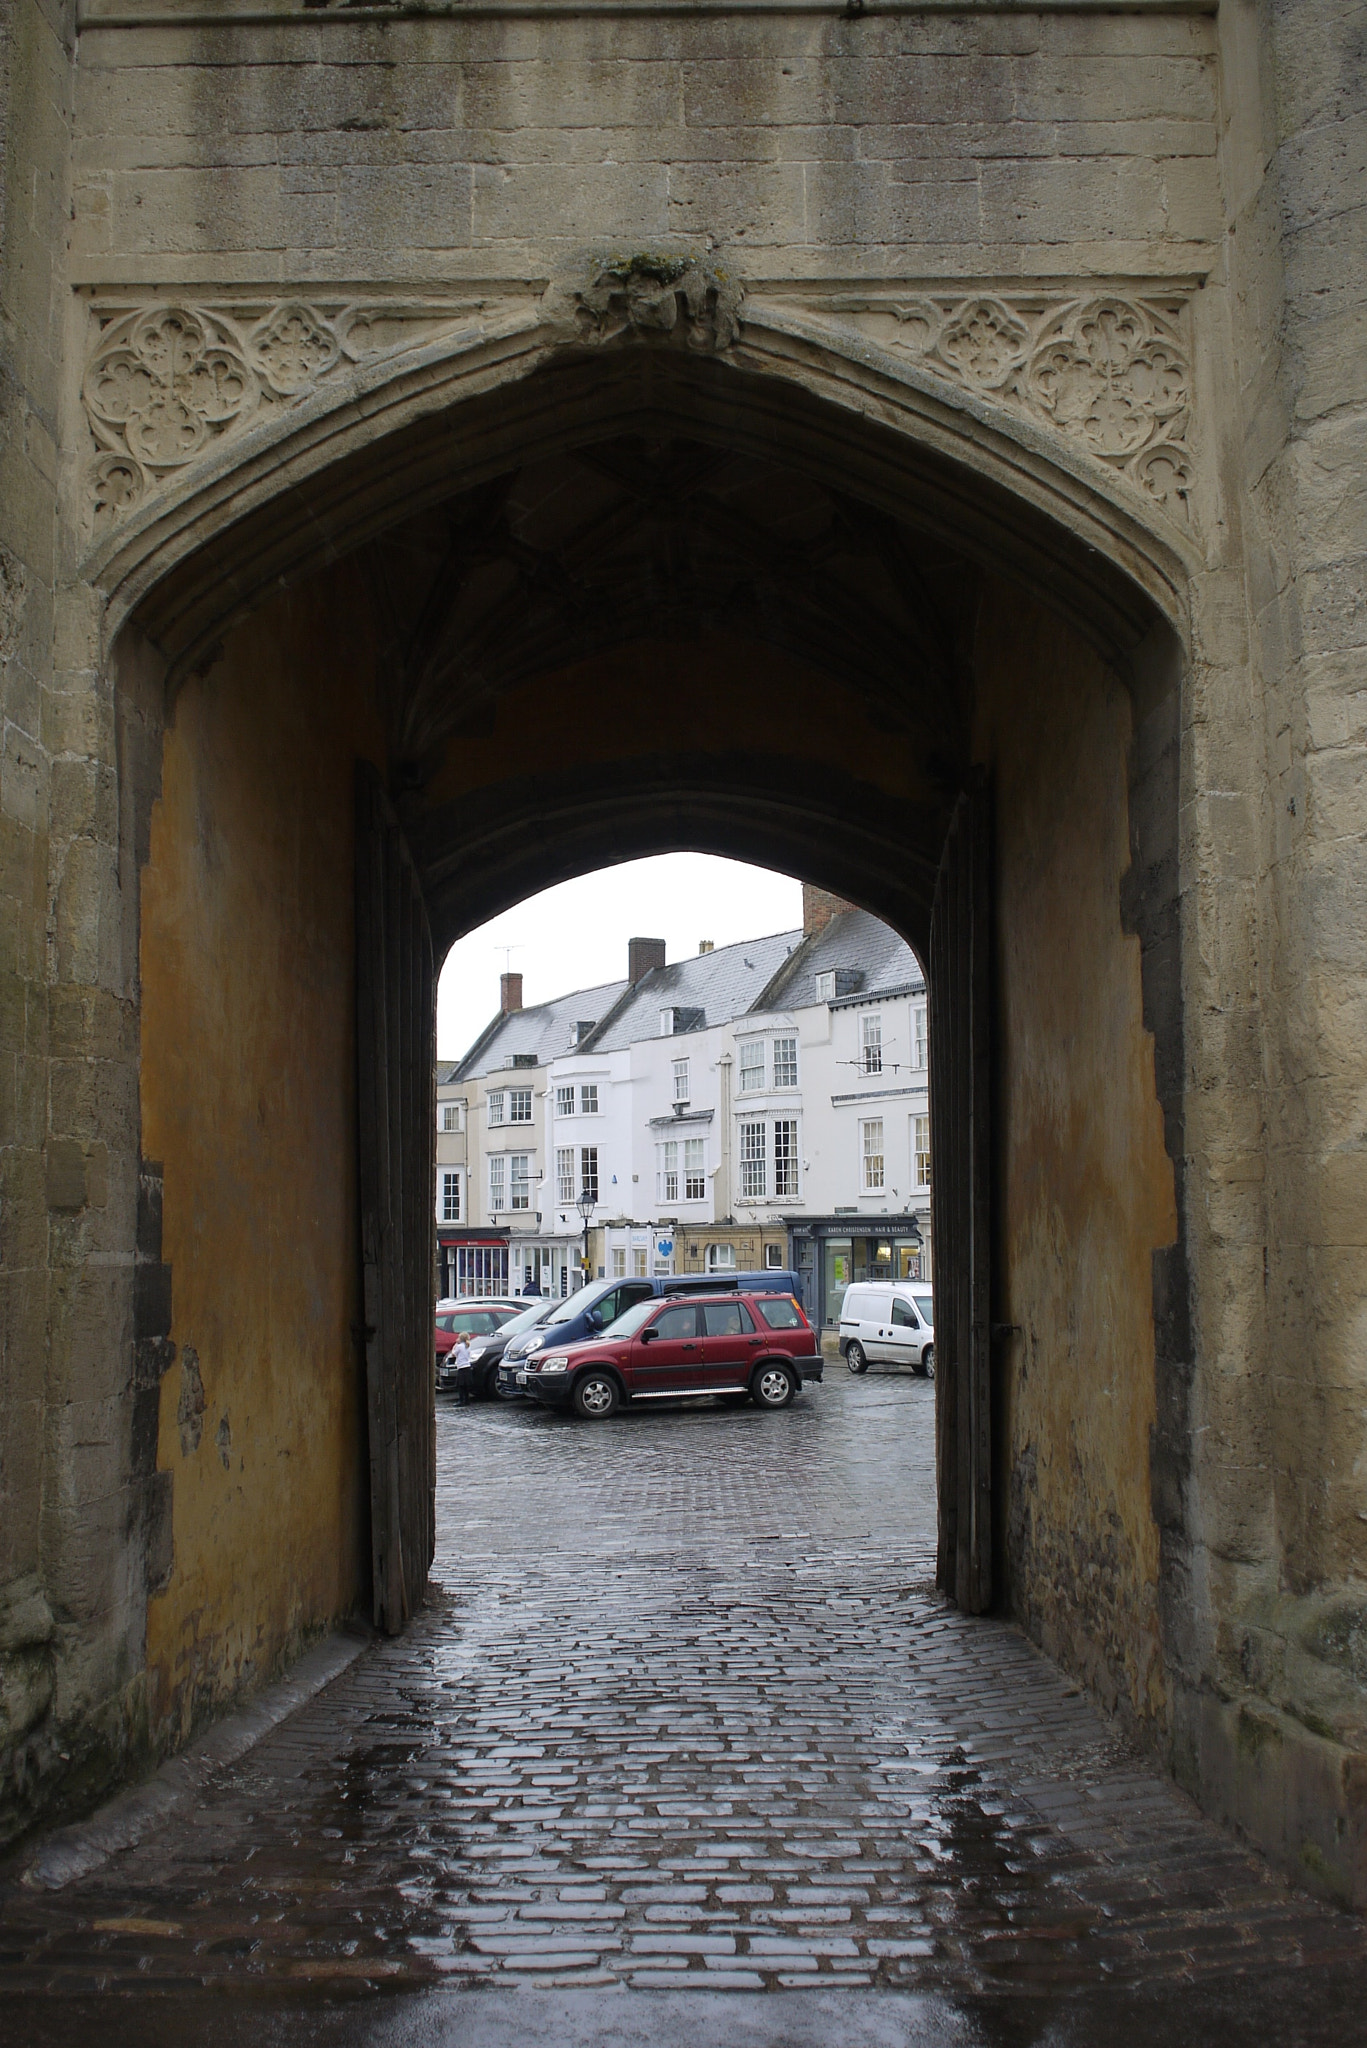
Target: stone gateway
[[917, 445]]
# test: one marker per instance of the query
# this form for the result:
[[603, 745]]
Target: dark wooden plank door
[[961, 1197], [396, 1131]]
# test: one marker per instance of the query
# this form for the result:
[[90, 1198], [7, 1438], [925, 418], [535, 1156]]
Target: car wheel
[[773, 1387], [928, 1361], [595, 1396], [855, 1359]]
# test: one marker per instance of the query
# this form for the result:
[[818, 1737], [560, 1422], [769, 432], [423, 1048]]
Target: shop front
[[471, 1263], [833, 1252]]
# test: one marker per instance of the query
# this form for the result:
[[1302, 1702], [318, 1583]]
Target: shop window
[[721, 1258], [638, 1262], [773, 1257], [619, 1262]]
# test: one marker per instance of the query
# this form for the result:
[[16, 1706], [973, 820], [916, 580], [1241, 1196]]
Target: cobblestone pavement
[[686, 1713]]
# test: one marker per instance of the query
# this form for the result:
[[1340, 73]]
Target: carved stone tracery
[[1109, 372], [1112, 373]]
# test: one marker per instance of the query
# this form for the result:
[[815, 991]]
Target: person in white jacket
[[460, 1358]]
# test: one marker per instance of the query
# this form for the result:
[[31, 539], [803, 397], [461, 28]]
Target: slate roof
[[854, 939], [722, 984], [544, 1030], [774, 973]]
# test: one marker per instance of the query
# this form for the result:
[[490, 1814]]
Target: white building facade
[[763, 1104]]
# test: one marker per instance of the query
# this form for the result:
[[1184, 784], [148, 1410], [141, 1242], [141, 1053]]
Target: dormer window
[[667, 1023], [825, 988]]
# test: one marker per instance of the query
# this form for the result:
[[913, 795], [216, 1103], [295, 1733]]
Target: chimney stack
[[642, 955], [705, 946], [819, 906], [509, 993]]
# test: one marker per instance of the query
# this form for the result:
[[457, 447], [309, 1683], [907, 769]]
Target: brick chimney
[[642, 955], [819, 906], [509, 993]]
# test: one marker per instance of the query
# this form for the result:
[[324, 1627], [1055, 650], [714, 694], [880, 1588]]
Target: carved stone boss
[[1110, 373]]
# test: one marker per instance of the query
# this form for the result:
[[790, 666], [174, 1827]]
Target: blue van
[[594, 1307]]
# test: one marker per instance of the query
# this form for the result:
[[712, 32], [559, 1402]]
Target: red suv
[[745, 1347]]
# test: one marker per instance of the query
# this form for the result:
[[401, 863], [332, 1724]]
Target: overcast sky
[[575, 935]]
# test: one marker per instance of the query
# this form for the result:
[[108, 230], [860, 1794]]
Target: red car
[[744, 1347], [469, 1319]]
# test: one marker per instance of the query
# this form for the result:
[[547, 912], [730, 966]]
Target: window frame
[[868, 1185], [788, 1159], [696, 1180], [588, 1181], [520, 1180], [749, 1047], [681, 1092], [754, 1185], [588, 1098], [871, 1042], [498, 1180], [497, 1102], [564, 1098], [789, 1064], [450, 1195]]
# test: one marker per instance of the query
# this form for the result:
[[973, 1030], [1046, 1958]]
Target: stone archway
[[641, 597]]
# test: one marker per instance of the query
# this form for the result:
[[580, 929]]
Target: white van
[[888, 1322]]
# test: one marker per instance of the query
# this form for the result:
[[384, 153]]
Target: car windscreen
[[631, 1319], [528, 1320], [577, 1303], [925, 1305]]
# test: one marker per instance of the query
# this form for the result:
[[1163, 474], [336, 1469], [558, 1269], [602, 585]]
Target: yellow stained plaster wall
[[248, 1098], [1086, 1186]]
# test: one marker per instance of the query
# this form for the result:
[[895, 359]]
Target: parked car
[[486, 1352], [888, 1322], [594, 1307], [743, 1347], [471, 1319]]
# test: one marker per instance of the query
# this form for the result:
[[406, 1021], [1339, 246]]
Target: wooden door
[[396, 1129], [961, 1165]]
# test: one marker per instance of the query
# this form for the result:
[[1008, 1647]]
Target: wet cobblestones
[[685, 1712]]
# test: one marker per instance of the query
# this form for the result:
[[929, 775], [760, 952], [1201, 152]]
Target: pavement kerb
[[73, 1852]]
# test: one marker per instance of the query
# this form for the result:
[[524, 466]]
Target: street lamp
[[586, 1206]]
